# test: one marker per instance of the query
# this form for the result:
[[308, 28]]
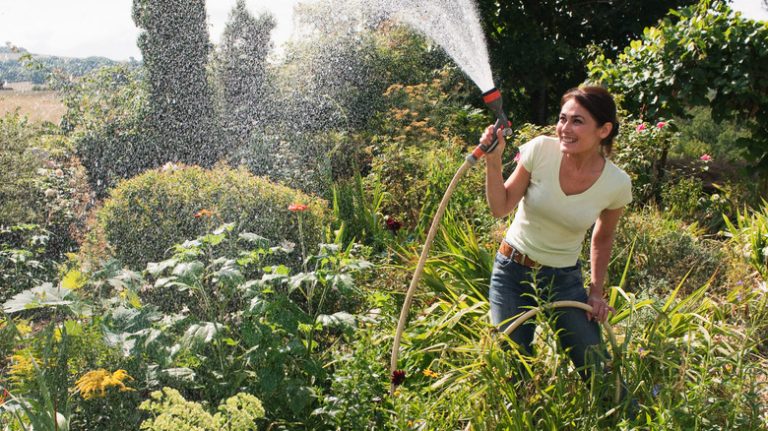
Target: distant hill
[[12, 70]]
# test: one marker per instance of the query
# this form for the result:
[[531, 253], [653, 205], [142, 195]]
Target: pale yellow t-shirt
[[549, 226]]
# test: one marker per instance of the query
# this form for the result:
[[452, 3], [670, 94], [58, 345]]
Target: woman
[[564, 185]]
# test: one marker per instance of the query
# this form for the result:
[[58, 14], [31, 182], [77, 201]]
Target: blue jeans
[[516, 288]]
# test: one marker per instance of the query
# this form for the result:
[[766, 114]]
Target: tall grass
[[689, 360]]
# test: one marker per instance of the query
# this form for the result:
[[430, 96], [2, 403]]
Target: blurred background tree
[[539, 48], [175, 48]]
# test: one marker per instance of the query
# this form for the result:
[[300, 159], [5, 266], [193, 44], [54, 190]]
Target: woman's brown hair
[[599, 102]]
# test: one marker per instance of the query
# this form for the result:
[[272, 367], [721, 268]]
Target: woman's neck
[[584, 161]]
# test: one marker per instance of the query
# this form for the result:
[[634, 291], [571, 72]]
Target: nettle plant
[[234, 320]]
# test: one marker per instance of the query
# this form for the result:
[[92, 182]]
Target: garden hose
[[420, 267], [492, 99], [573, 304]]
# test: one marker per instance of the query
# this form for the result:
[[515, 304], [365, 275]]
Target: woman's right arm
[[502, 196]]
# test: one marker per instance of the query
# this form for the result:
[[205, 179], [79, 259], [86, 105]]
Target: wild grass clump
[[663, 251]]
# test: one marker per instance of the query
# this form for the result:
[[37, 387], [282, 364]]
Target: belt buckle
[[520, 258]]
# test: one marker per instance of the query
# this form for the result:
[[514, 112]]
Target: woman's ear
[[605, 129]]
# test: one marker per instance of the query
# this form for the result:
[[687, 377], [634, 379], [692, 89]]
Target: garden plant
[[147, 283]]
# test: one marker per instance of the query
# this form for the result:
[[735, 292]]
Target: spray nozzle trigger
[[492, 99]]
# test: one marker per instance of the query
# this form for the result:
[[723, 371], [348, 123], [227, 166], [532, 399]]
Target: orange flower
[[430, 373], [297, 207], [204, 213]]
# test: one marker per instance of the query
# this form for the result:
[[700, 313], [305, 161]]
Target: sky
[[83, 28]]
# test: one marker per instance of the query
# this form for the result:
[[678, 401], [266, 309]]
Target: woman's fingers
[[600, 310]]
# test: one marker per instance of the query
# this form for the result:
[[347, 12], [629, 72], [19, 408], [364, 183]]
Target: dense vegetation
[[258, 287]]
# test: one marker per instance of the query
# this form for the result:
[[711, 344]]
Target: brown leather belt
[[514, 254]]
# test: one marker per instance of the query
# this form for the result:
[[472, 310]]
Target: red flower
[[661, 124], [297, 207], [398, 377], [4, 396], [705, 158], [640, 127], [392, 224], [204, 213]]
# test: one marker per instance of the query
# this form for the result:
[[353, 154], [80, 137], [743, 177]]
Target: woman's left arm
[[600, 255]]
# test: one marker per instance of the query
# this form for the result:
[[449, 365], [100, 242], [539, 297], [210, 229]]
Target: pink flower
[[517, 157], [661, 124], [297, 207], [640, 127], [705, 157]]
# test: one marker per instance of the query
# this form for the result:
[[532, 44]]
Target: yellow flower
[[95, 383], [430, 373], [23, 328], [22, 368]]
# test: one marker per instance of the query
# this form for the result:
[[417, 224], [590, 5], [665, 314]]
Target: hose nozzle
[[492, 99]]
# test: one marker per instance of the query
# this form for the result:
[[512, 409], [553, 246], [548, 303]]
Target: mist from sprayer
[[452, 24]]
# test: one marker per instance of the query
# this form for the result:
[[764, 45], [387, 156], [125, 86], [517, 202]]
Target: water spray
[[492, 99]]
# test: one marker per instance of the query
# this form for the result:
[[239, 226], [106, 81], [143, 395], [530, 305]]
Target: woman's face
[[578, 131]]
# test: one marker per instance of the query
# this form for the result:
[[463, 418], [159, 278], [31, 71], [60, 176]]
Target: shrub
[[41, 183], [147, 214], [642, 151], [170, 411], [664, 252], [17, 169], [105, 116]]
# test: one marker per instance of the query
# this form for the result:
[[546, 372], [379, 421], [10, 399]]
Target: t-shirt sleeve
[[623, 193], [529, 152]]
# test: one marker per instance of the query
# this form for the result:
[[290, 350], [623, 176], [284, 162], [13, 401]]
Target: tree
[[175, 47], [539, 47], [242, 73], [703, 55]]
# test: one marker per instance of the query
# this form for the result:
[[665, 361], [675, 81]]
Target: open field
[[38, 106]]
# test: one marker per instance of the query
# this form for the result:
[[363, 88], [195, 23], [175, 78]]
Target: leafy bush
[[147, 214], [663, 252], [23, 260], [18, 165], [105, 117], [749, 238], [641, 151], [701, 55], [41, 183], [172, 412]]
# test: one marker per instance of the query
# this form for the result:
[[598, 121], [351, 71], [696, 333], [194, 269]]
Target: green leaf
[[42, 296], [189, 270], [257, 240], [342, 320], [199, 333], [156, 269]]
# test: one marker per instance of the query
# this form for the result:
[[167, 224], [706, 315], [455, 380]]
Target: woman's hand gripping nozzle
[[492, 99]]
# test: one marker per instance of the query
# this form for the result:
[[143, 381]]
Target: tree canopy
[[175, 47], [539, 48], [703, 55]]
